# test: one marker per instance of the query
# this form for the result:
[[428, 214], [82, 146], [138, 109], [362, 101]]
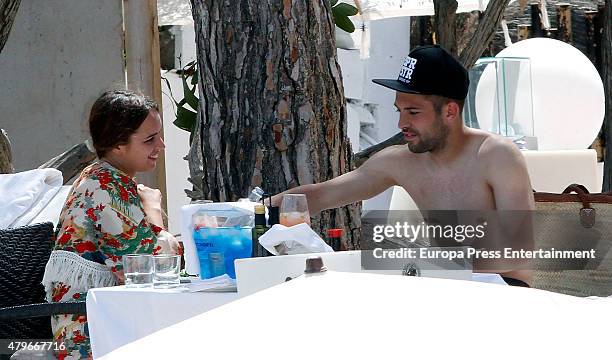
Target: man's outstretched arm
[[370, 179]]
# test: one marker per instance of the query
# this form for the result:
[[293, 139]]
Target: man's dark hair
[[115, 116], [439, 101]]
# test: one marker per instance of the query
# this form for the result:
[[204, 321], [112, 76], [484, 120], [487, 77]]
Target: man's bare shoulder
[[496, 149], [394, 153], [389, 162]]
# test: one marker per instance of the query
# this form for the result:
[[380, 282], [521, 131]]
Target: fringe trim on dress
[[72, 269]]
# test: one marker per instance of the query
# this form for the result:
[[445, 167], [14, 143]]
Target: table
[[367, 316], [117, 316]]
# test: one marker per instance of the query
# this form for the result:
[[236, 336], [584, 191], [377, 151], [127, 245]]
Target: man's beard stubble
[[434, 142]]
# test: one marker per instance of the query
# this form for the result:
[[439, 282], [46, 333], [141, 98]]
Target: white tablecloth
[[367, 316], [117, 316]]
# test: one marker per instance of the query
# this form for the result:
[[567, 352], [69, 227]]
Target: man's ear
[[451, 110]]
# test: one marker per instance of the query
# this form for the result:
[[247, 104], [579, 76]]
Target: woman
[[107, 215]]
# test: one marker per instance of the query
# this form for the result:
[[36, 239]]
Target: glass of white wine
[[294, 210]]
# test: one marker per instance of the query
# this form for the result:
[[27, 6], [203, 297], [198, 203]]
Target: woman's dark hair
[[115, 116]]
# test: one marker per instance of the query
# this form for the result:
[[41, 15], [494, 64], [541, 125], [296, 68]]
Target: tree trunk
[[8, 11], [444, 20], [484, 33], [272, 108], [6, 156], [606, 61]]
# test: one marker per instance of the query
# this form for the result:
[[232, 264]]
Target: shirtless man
[[445, 165]]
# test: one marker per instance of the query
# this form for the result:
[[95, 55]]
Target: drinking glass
[[294, 210], [166, 271], [138, 270]]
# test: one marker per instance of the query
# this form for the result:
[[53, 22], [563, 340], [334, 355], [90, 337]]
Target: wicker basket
[[576, 219]]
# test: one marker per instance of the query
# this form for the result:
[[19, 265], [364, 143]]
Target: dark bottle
[[273, 215], [334, 239], [258, 230]]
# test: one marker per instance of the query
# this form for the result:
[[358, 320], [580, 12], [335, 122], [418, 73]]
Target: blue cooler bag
[[218, 248], [221, 235]]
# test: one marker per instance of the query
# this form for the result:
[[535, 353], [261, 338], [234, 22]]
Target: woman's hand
[[149, 197], [151, 203], [168, 243]]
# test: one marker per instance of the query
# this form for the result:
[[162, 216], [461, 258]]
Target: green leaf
[[344, 9], [169, 89], [189, 94], [194, 78], [344, 23], [185, 119], [333, 2]]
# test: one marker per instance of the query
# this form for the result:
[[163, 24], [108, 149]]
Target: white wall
[[185, 44], [177, 146], [177, 140], [59, 57], [389, 43]]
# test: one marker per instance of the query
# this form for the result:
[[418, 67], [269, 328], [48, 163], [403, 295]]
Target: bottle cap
[[335, 233], [260, 209], [256, 194]]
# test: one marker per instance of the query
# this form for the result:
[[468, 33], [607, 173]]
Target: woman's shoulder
[[102, 171], [100, 176], [102, 185]]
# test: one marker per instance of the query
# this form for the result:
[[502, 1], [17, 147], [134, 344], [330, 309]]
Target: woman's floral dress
[[102, 220]]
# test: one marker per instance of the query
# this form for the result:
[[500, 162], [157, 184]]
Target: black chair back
[[24, 252]]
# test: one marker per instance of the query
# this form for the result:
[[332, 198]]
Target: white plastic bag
[[297, 239]]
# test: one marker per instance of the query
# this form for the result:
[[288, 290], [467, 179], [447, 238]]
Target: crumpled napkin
[[222, 283], [297, 239]]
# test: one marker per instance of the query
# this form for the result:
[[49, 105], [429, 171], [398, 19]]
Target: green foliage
[[187, 108], [341, 12]]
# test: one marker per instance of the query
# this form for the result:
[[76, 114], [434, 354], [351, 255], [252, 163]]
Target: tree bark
[[465, 28], [6, 156], [606, 61], [484, 33], [444, 20], [272, 108], [8, 11]]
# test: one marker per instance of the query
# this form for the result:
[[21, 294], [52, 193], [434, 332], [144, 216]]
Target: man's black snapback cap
[[430, 70]]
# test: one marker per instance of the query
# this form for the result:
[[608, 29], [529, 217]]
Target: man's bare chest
[[458, 190]]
